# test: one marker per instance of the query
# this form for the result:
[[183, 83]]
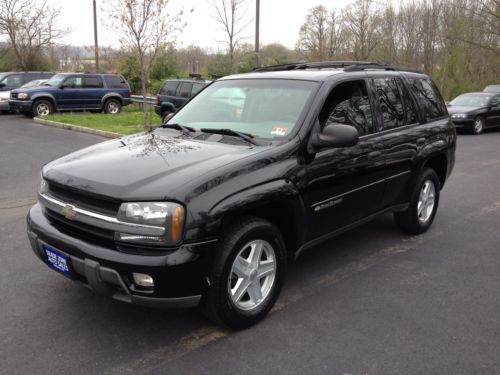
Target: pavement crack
[[7, 204]]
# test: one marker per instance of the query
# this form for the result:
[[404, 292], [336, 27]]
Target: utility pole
[[96, 46], [257, 21]]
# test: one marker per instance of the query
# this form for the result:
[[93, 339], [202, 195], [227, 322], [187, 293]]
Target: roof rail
[[349, 66]]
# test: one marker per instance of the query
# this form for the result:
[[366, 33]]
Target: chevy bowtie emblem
[[69, 212]]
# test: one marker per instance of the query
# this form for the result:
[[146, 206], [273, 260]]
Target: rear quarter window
[[429, 98], [116, 82]]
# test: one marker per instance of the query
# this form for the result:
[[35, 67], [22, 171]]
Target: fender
[[111, 95], [281, 193], [44, 95], [167, 106]]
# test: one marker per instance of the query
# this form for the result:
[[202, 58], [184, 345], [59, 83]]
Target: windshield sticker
[[277, 130]]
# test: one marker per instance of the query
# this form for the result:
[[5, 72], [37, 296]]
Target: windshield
[[263, 108], [55, 80], [2, 76], [471, 100]]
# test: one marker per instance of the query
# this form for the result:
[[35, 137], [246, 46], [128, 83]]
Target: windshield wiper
[[185, 130], [246, 136]]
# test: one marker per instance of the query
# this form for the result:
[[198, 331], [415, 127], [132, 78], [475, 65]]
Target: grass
[[126, 122]]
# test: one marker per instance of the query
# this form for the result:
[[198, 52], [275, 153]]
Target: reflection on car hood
[[461, 109], [151, 165], [34, 89]]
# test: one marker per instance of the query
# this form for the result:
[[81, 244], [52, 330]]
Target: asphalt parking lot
[[372, 301]]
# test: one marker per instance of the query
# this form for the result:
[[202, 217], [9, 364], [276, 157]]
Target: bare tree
[[30, 27], [230, 14], [363, 23], [314, 33], [144, 27]]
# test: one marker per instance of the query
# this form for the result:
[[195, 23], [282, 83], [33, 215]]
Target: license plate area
[[57, 260]]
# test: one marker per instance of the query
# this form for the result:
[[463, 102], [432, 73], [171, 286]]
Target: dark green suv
[[174, 93]]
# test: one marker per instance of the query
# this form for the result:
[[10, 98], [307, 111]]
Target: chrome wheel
[[252, 275], [478, 125], [113, 108], [42, 109], [426, 201]]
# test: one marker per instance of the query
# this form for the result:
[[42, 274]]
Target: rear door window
[[169, 88], [196, 88], [429, 98], [92, 82], [390, 102], [185, 89]]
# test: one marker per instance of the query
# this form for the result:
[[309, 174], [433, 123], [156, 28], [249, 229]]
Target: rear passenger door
[[183, 94], [410, 111], [93, 92]]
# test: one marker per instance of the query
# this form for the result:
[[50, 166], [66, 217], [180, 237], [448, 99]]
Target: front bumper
[[21, 105], [463, 123], [179, 274], [4, 105]]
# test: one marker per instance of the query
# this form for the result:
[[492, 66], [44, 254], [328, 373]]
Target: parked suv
[[12, 80], [174, 93], [73, 92], [209, 208]]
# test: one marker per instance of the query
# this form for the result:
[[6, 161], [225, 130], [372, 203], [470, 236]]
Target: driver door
[[345, 185]]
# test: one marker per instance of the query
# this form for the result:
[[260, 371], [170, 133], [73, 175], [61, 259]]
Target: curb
[[80, 129]]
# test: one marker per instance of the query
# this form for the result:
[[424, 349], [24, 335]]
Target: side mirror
[[335, 135]]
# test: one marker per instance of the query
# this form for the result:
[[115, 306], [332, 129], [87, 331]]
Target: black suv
[[174, 93], [208, 209], [73, 92]]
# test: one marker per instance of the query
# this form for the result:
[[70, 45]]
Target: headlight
[[43, 187], [168, 215], [22, 95], [459, 115]]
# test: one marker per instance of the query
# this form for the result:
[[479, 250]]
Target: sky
[[280, 21]]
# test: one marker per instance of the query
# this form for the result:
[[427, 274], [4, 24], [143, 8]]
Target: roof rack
[[348, 66]]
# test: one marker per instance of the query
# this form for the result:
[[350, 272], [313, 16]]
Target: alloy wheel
[[426, 201], [252, 275]]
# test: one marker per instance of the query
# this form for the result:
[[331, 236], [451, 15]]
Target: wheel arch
[[439, 163], [278, 202], [47, 97]]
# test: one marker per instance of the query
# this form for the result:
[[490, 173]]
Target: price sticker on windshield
[[279, 130]]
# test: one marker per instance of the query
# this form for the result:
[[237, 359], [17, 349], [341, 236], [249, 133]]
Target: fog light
[[142, 279]]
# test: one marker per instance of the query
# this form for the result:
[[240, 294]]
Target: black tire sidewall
[[223, 309]]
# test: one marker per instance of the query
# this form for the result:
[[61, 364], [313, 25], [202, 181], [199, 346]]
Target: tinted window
[[348, 104], [93, 82], [116, 82], [390, 102], [185, 89], [409, 105], [196, 88], [169, 88], [74, 82], [429, 98], [14, 80], [495, 102]]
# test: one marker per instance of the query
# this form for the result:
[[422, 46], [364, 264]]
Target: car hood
[[34, 89], [148, 166], [461, 109]]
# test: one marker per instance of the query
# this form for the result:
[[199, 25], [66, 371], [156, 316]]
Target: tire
[[478, 126], [42, 108], [164, 116], [232, 298], [112, 106], [414, 220]]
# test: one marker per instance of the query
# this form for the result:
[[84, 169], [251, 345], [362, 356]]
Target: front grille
[[82, 231], [13, 95], [89, 201]]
